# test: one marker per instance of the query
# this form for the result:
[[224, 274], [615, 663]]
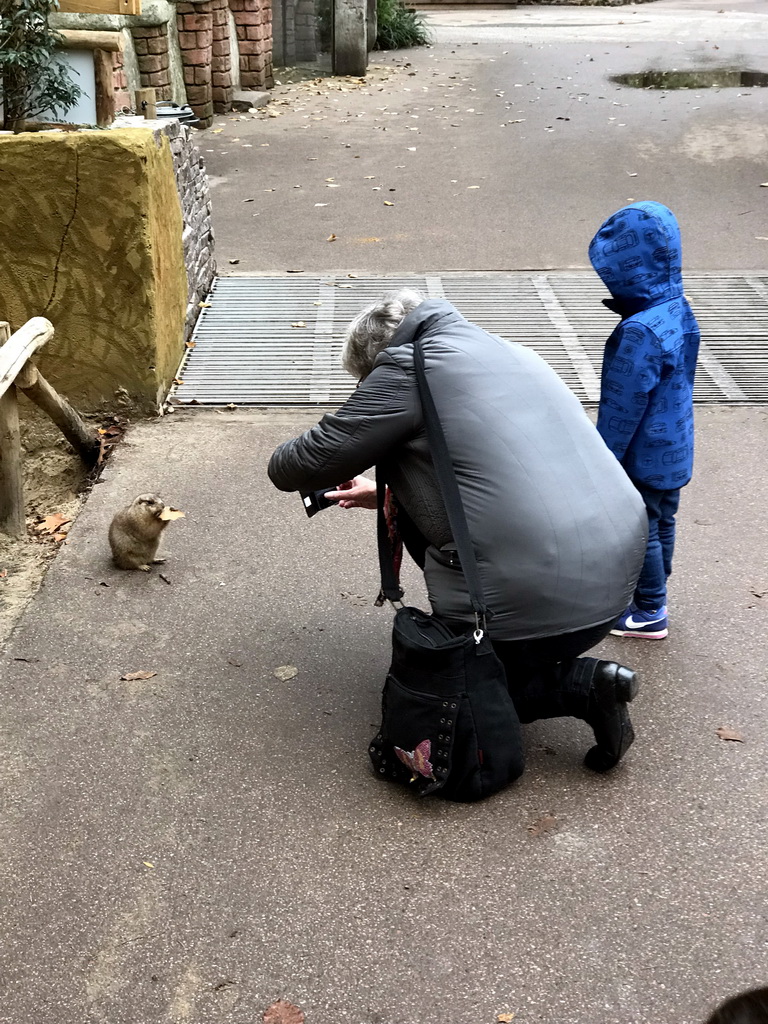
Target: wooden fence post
[[146, 103], [12, 520], [84, 440]]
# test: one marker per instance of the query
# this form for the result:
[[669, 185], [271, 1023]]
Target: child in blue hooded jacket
[[646, 394]]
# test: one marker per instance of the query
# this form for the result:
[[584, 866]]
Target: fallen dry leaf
[[726, 733], [234, 262], [283, 1012], [188, 344], [387, 203], [542, 825], [130, 677], [169, 514], [331, 238], [298, 323], [505, 1018], [285, 672], [203, 305], [147, 864], [52, 524]]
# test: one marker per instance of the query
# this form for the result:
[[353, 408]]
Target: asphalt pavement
[[504, 146], [196, 844]]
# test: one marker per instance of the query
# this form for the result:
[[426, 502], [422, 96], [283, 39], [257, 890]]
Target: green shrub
[[399, 26], [33, 76]]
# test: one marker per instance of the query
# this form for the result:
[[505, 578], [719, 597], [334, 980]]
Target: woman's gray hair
[[372, 329]]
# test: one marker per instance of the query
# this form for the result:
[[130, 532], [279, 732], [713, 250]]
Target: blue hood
[[637, 253]]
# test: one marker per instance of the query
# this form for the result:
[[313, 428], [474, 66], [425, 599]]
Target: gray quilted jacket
[[558, 529]]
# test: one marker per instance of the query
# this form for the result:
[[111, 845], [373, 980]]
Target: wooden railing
[[18, 373]]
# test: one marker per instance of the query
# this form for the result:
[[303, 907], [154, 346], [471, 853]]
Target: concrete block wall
[[97, 233], [305, 28], [296, 30]]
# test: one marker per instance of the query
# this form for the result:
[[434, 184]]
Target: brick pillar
[[154, 60], [221, 61], [253, 19], [120, 83], [195, 25]]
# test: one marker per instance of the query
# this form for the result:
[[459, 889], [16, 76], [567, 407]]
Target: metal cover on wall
[[276, 340]]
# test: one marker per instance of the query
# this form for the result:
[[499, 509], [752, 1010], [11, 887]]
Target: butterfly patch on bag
[[418, 760]]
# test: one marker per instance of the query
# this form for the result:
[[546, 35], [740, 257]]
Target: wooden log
[[83, 39], [12, 519], [146, 103], [99, 7], [105, 89], [85, 442], [23, 344]]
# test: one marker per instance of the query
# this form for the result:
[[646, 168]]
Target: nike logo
[[631, 624]]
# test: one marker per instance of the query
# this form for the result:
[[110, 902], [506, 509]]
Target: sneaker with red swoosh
[[646, 625]]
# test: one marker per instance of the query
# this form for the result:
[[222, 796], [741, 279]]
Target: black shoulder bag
[[448, 723]]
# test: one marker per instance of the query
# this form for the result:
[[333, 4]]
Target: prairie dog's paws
[[144, 568]]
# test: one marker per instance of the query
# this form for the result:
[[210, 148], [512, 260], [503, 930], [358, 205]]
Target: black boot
[[613, 686]]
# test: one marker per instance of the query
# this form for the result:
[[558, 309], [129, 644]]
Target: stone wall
[[197, 233]]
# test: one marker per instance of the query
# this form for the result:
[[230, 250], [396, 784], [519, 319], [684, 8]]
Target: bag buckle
[[480, 627]]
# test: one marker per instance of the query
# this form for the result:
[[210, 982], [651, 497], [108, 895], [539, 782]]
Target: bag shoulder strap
[[449, 488]]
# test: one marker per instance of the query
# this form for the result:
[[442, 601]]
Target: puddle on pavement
[[712, 78]]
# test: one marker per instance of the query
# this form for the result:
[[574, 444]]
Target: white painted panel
[[81, 66]]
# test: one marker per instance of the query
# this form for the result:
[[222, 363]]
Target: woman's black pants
[[546, 677]]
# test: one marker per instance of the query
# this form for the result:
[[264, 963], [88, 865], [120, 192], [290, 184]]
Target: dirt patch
[[55, 482]]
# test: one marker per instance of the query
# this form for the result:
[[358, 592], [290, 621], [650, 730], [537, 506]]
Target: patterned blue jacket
[[646, 395]]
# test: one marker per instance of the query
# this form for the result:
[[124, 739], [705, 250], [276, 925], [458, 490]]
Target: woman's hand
[[357, 493]]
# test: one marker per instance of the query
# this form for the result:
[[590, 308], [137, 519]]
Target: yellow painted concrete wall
[[91, 237]]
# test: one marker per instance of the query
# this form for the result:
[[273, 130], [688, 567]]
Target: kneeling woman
[[558, 529]]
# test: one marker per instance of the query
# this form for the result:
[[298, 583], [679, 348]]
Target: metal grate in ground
[[248, 352]]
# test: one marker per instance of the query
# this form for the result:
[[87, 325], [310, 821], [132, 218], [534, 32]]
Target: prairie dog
[[134, 534]]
